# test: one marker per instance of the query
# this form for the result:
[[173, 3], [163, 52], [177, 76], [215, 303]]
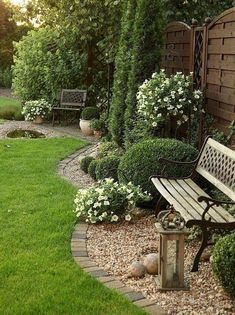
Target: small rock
[[206, 256], [151, 263], [137, 269]]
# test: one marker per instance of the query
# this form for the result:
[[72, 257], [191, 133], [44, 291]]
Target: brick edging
[[80, 255]]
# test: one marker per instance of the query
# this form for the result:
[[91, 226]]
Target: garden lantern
[[171, 250]]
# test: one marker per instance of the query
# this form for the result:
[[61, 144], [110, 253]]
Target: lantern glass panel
[[172, 260]]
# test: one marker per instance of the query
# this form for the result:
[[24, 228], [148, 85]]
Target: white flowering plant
[[108, 201], [31, 109], [161, 98]]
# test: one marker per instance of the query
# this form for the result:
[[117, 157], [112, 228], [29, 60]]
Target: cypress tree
[[147, 41], [122, 64]]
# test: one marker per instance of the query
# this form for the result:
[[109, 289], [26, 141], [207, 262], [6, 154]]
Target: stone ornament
[[151, 263]]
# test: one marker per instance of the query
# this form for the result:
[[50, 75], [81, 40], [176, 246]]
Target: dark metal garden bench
[[70, 101], [216, 163]]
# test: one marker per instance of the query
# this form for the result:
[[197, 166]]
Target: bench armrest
[[210, 202], [168, 161]]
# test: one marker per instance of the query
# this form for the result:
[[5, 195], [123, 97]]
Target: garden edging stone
[[81, 256]]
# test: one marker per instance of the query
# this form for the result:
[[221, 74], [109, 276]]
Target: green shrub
[[122, 66], [5, 78], [89, 113], [109, 148], [92, 168], [224, 262], [146, 40], [107, 168], [85, 162], [141, 161], [10, 112], [42, 50]]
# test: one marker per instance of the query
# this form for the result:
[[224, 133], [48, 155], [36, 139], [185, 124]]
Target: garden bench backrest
[[73, 97], [217, 165]]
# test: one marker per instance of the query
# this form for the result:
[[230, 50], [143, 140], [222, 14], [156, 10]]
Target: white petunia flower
[[128, 217]]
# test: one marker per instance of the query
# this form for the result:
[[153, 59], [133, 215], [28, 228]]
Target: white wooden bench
[[216, 163], [70, 101]]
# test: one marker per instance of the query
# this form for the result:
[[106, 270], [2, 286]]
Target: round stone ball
[[137, 269], [151, 263]]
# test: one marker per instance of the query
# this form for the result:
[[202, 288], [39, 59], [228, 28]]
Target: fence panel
[[176, 52], [220, 69]]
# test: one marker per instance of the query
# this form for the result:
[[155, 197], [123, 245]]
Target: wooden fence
[[209, 52]]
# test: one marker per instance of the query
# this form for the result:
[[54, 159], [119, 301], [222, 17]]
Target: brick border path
[[81, 257]]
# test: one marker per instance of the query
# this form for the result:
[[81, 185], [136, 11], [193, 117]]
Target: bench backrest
[[76, 98], [217, 164]]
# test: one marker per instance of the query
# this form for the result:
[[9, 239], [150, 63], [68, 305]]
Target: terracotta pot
[[98, 134], [38, 120], [85, 127]]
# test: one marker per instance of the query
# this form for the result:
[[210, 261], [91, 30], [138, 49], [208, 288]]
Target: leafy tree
[[186, 10], [95, 24], [47, 60], [122, 64]]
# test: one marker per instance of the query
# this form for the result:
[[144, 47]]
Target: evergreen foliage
[[122, 64], [147, 42]]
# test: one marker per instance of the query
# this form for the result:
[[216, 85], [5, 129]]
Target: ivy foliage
[[47, 60]]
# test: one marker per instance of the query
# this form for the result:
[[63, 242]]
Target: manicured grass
[[37, 273], [6, 101]]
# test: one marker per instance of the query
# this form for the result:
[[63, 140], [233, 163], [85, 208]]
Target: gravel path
[[115, 246]]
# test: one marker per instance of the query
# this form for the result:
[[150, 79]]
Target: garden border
[[81, 257]]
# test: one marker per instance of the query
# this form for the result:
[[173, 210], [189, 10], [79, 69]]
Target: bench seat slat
[[220, 210], [171, 199], [195, 211], [192, 203], [216, 213]]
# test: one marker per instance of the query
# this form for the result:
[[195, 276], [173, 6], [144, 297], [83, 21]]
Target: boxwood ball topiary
[[224, 262], [91, 112], [141, 161], [85, 162], [107, 167], [92, 168]]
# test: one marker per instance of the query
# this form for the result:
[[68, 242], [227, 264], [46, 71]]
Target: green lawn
[[6, 101], [37, 273]]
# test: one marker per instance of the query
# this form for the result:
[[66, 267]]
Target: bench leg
[[158, 205], [204, 244], [53, 118]]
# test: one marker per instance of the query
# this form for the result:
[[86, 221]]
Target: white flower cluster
[[161, 98], [108, 201], [31, 109]]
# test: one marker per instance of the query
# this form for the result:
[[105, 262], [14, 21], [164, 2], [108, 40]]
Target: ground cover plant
[[37, 272], [10, 108]]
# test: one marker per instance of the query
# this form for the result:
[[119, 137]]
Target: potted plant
[[99, 126], [88, 113], [36, 111]]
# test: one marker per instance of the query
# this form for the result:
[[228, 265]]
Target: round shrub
[[141, 161], [224, 262], [109, 148], [85, 162], [107, 167], [92, 168], [89, 113]]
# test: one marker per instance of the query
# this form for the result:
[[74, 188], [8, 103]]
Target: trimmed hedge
[[109, 148], [92, 168], [85, 162], [107, 167], [224, 262], [91, 112], [141, 161]]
